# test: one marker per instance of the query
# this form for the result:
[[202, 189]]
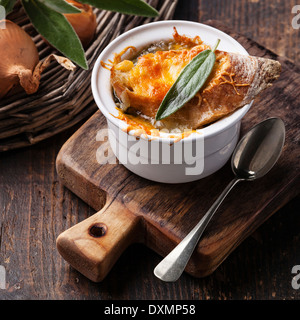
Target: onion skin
[[19, 56], [84, 23]]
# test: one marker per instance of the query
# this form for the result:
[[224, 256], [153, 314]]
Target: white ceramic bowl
[[162, 159]]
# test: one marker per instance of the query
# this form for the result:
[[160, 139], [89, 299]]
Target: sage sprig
[[189, 82], [134, 7], [54, 26], [60, 6], [47, 16]]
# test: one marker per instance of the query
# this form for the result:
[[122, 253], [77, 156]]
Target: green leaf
[[54, 27], [190, 81], [60, 6], [133, 7], [8, 5]]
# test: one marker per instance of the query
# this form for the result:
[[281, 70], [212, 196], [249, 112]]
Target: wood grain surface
[[36, 207]]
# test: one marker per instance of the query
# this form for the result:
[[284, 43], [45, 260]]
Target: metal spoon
[[254, 156]]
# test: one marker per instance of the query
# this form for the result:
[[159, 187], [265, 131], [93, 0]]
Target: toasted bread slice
[[235, 81]]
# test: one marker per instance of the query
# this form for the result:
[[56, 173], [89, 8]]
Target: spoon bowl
[[259, 149], [254, 156]]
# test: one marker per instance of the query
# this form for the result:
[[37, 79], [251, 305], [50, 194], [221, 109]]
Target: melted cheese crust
[[142, 83], [153, 75]]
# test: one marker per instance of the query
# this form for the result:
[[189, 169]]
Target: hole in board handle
[[98, 230]]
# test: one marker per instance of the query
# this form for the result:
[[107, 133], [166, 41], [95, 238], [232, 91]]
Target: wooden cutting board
[[133, 209]]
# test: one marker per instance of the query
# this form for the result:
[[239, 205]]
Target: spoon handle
[[172, 266]]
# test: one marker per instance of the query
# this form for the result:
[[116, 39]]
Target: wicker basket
[[64, 98]]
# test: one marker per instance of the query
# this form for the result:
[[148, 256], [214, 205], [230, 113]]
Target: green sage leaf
[[8, 5], [189, 82], [60, 6], [54, 27], [132, 7]]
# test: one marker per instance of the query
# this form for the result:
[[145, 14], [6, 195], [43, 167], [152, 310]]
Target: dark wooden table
[[35, 207]]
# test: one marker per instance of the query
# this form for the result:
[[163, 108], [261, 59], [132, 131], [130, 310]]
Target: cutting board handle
[[94, 245]]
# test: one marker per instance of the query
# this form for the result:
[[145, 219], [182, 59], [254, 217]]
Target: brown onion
[[84, 23], [19, 60], [19, 56]]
